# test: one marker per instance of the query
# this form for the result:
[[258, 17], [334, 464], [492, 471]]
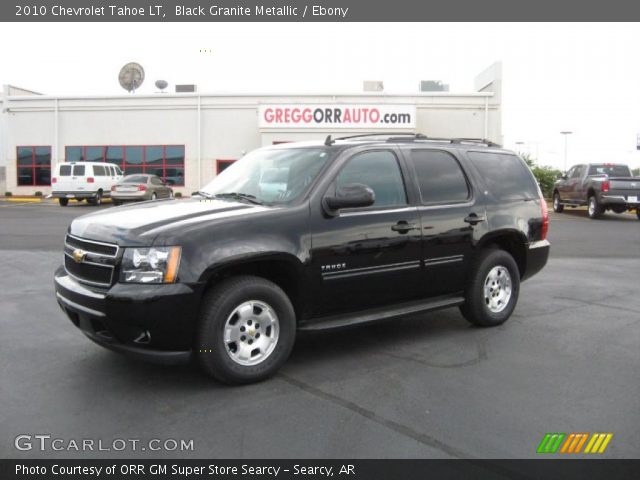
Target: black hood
[[139, 224]]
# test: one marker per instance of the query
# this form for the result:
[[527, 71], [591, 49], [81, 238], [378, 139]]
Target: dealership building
[[189, 138]]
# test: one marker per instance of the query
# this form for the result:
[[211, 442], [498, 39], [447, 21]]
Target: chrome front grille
[[90, 262]]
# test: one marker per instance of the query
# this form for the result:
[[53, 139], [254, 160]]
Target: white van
[[84, 180]]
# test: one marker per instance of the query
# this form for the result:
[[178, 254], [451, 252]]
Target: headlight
[[150, 265]]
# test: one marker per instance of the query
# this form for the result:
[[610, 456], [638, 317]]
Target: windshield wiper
[[239, 196]]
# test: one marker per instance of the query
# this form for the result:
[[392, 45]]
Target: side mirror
[[351, 195], [562, 176]]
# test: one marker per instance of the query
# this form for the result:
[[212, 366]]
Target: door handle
[[403, 227], [474, 219]]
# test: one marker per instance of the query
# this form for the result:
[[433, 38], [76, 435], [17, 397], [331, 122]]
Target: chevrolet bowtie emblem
[[78, 255]]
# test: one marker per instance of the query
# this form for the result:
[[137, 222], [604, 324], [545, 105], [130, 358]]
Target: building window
[[222, 165], [165, 161], [34, 166]]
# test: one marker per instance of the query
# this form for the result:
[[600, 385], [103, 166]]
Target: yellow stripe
[[605, 443], [582, 440], [596, 445], [566, 443], [591, 442]]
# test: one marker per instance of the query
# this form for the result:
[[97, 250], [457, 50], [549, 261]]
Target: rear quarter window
[[507, 177]]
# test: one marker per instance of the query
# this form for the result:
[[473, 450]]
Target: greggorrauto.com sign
[[334, 116]]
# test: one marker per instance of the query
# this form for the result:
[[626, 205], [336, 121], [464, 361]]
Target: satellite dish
[[161, 84], [131, 76]]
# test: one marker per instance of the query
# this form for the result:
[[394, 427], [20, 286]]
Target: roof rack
[[396, 137]]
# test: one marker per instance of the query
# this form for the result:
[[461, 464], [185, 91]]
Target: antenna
[[131, 77], [161, 85]]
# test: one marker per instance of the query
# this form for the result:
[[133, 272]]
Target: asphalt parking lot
[[425, 387]]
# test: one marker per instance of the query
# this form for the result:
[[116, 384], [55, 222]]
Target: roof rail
[[379, 134]]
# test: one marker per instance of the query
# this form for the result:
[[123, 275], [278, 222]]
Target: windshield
[[271, 176], [611, 170]]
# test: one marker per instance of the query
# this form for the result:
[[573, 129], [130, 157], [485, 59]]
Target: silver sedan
[[140, 187]]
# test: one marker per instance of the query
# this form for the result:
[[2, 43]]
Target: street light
[[566, 134]]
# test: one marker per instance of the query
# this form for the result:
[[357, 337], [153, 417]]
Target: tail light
[[142, 188], [545, 218], [90, 180], [54, 180], [605, 186]]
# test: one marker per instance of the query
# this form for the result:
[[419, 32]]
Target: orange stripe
[[574, 443], [567, 442], [582, 440]]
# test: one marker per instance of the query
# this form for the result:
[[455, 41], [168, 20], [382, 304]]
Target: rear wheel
[[63, 202], [154, 196], [492, 292], [594, 209], [638, 213], [246, 330], [557, 206]]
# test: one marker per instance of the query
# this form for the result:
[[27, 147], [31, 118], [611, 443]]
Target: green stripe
[[543, 443], [558, 442]]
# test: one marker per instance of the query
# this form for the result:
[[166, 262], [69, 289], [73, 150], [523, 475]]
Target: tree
[[545, 175]]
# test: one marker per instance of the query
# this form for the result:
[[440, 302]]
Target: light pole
[[566, 134]]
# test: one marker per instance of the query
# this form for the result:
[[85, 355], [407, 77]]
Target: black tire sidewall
[[209, 346], [475, 304], [63, 202], [560, 207]]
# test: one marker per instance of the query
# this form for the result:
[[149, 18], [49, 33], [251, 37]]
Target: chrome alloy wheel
[[497, 289], [592, 206], [251, 333], [556, 202]]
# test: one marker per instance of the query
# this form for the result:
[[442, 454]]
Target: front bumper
[[536, 257], [151, 322]]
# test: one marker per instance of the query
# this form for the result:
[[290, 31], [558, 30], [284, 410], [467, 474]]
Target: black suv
[[307, 236]]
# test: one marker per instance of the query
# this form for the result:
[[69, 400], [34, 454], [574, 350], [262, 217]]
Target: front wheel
[[557, 206], [594, 209], [63, 202], [246, 330], [492, 292]]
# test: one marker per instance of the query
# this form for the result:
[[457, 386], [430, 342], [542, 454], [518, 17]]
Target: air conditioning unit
[[373, 86], [186, 88], [433, 86]]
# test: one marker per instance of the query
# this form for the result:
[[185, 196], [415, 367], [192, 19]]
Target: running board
[[381, 313]]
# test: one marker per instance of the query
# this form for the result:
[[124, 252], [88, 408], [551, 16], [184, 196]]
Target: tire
[[492, 265], [594, 209], [557, 206], [239, 303], [63, 202], [171, 194], [638, 213], [154, 196], [97, 200], [116, 202]]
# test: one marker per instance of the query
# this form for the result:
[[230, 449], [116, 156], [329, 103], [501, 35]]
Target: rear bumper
[[537, 256], [130, 196], [620, 200], [150, 322], [75, 194]]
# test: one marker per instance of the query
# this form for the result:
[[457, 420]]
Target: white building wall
[[228, 124]]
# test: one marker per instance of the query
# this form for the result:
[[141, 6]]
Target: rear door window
[[65, 170], [440, 177], [78, 170], [98, 171], [507, 177]]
